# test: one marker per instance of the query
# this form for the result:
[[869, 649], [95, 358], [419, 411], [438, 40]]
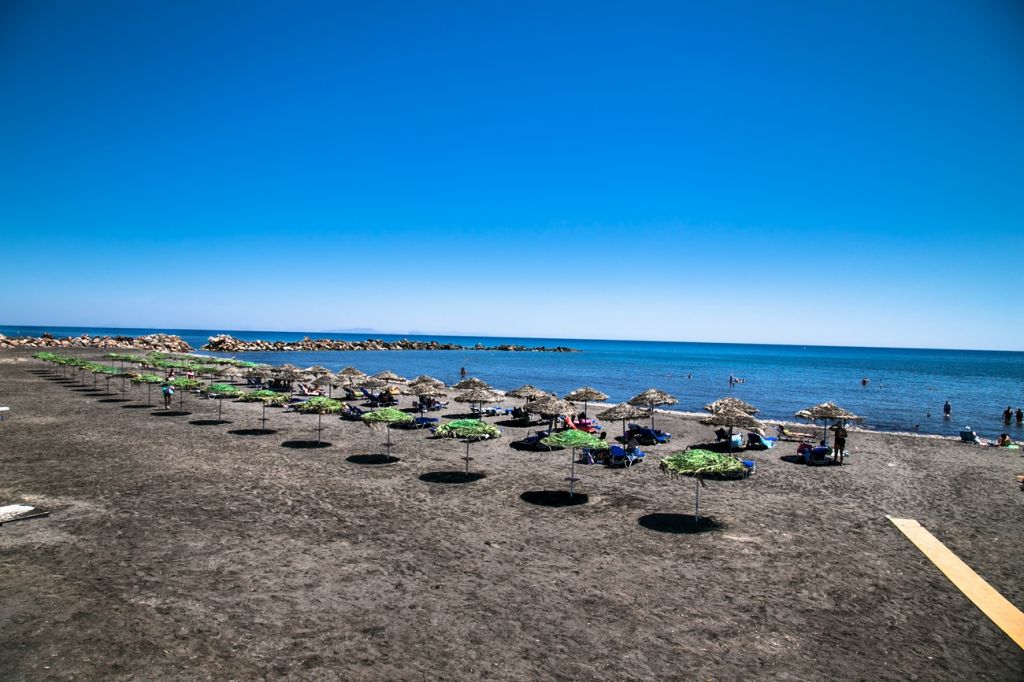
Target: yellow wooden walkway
[[994, 605]]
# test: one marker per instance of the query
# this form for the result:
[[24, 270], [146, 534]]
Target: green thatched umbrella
[[574, 440], [585, 395], [699, 464], [183, 385], [320, 406], [623, 411], [221, 391], [386, 416], [652, 397], [265, 397], [471, 430], [149, 380]]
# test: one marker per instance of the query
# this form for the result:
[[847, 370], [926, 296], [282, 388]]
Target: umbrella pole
[[263, 419], [696, 511], [319, 417], [388, 444], [572, 473], [467, 456], [149, 394], [219, 402]]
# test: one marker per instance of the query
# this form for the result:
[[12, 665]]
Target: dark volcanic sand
[[183, 551]]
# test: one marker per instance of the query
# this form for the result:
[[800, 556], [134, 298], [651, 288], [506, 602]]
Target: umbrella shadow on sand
[[209, 422], [452, 477], [554, 498], [135, 407], [375, 459], [680, 524], [253, 432], [171, 413], [305, 444]]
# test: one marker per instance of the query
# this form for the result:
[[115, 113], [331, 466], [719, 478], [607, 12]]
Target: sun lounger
[[3, 413], [759, 442], [619, 456], [647, 436], [424, 422]]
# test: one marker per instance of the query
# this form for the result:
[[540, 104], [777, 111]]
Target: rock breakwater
[[225, 343], [164, 343]]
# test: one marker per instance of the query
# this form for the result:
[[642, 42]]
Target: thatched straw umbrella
[[550, 408], [623, 411], [351, 372], [585, 395], [231, 372], [426, 379], [652, 397], [426, 390], [470, 383], [730, 403], [479, 396], [574, 440], [388, 375], [327, 380], [732, 418], [372, 383], [528, 392], [827, 412]]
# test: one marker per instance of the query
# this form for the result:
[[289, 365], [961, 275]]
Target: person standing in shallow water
[[1007, 415], [947, 410], [1020, 417]]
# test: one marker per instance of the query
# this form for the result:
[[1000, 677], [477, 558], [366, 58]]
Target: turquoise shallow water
[[906, 390]]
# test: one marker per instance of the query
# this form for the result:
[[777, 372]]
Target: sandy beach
[[177, 548]]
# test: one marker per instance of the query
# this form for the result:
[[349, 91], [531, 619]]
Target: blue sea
[[906, 389]]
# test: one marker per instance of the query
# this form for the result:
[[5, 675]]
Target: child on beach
[[168, 391]]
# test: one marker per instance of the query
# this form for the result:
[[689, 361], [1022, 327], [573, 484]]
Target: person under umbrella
[[733, 418]]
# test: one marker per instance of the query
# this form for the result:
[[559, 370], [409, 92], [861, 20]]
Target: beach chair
[[352, 412], [619, 456], [759, 442], [968, 436], [424, 422], [647, 436], [3, 413]]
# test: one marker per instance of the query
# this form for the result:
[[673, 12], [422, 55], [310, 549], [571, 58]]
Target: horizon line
[[509, 336]]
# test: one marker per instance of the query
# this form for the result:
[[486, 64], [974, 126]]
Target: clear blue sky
[[794, 172]]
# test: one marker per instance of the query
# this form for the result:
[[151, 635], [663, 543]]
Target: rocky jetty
[[164, 343], [226, 343]]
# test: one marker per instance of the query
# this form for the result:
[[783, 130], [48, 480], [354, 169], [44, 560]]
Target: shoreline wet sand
[[179, 549]]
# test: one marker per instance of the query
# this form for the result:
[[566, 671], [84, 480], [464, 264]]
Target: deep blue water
[[907, 386]]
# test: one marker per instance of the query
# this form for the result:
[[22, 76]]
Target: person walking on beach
[[168, 395], [1007, 415], [839, 442], [947, 410]]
